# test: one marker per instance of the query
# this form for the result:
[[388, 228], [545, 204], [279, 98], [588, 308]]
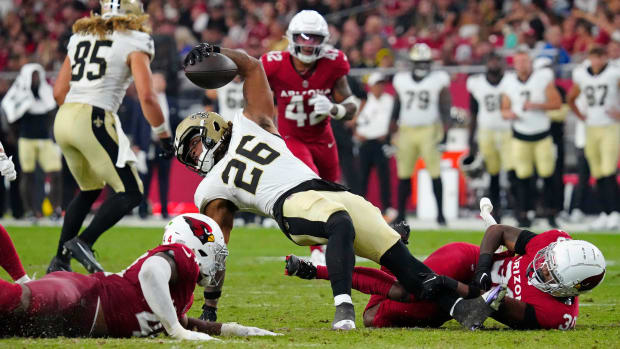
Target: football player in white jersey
[[247, 166], [527, 95], [104, 53], [493, 136], [423, 102], [599, 84]]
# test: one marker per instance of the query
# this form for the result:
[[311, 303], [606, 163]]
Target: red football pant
[[322, 158], [10, 296], [9, 260], [457, 260]]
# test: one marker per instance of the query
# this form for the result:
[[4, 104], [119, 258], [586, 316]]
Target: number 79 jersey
[[257, 169], [100, 72], [292, 92]]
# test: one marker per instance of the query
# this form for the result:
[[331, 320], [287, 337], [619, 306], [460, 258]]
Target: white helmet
[[204, 236], [307, 29], [567, 268], [421, 56]]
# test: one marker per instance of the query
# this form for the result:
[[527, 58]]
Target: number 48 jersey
[[293, 91], [257, 169], [100, 72]]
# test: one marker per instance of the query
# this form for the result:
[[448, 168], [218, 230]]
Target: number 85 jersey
[[257, 169], [293, 91], [100, 72]]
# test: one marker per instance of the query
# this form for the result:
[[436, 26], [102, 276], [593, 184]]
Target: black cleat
[[524, 222], [57, 264], [299, 267], [344, 319], [403, 229], [552, 222], [441, 220], [79, 250], [471, 313]]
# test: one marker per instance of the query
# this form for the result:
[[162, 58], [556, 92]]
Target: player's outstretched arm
[[499, 235], [225, 329], [259, 105], [155, 275]]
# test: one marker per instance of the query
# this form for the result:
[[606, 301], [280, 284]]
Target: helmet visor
[[305, 39], [541, 271]]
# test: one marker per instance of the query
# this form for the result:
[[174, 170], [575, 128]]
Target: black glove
[[167, 148], [199, 52], [208, 313], [432, 284], [482, 275], [403, 229]]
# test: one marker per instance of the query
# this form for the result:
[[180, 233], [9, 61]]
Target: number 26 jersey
[[292, 92], [100, 72], [257, 169]]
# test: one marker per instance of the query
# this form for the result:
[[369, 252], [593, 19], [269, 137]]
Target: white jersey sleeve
[[257, 169], [100, 71]]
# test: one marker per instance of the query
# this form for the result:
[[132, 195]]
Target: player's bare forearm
[[139, 63], [61, 86], [515, 314], [342, 94], [498, 235], [222, 212], [210, 328], [259, 105], [445, 104], [571, 100]]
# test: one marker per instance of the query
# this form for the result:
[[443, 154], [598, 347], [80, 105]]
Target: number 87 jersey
[[100, 72], [293, 91]]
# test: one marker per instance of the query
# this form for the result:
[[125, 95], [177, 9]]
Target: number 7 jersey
[[100, 72], [293, 91], [256, 170]]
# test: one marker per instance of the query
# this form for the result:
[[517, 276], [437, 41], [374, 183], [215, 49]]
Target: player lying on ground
[[544, 274], [152, 295], [247, 166]]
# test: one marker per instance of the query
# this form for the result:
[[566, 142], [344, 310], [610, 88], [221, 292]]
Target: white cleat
[[599, 223], [344, 325], [613, 221], [576, 216]]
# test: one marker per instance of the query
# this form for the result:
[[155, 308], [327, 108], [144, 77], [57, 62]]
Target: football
[[213, 72]]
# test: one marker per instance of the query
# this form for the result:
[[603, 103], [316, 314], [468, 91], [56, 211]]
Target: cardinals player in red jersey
[[150, 296], [543, 273], [310, 85]]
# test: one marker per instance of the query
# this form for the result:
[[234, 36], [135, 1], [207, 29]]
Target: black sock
[[407, 268], [56, 190], [613, 193], [514, 185], [438, 191], [523, 195], [111, 211], [494, 190], [340, 256], [404, 189], [601, 192], [74, 217], [549, 194]]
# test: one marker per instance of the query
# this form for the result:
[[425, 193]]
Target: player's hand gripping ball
[[207, 68]]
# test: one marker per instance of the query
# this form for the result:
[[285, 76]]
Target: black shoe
[[524, 222], [57, 264], [441, 220], [209, 313], [403, 229], [471, 313], [552, 222], [79, 250], [344, 319], [299, 267]]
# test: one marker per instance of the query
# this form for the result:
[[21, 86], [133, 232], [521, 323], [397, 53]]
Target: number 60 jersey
[[293, 91], [256, 170], [100, 73]]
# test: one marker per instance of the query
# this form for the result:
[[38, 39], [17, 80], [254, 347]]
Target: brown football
[[214, 71]]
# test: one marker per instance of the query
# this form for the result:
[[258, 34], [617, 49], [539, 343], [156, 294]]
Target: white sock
[[22, 279], [342, 298]]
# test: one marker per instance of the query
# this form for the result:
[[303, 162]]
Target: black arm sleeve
[[524, 237], [396, 109]]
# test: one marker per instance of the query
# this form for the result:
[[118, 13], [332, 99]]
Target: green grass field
[[257, 293]]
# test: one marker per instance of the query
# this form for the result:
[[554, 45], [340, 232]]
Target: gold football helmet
[[111, 8], [210, 127], [421, 56]]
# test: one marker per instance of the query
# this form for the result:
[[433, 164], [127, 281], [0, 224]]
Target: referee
[[372, 131]]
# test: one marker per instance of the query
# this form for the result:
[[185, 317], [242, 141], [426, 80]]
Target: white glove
[[7, 168], [178, 332], [322, 105], [234, 329]]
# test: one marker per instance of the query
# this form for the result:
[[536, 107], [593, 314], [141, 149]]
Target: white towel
[[125, 154], [20, 99]]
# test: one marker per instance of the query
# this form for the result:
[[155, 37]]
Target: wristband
[[450, 283], [473, 291], [341, 111], [485, 261], [213, 295], [160, 129]]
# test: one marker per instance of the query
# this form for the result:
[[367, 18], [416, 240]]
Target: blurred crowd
[[371, 33]]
